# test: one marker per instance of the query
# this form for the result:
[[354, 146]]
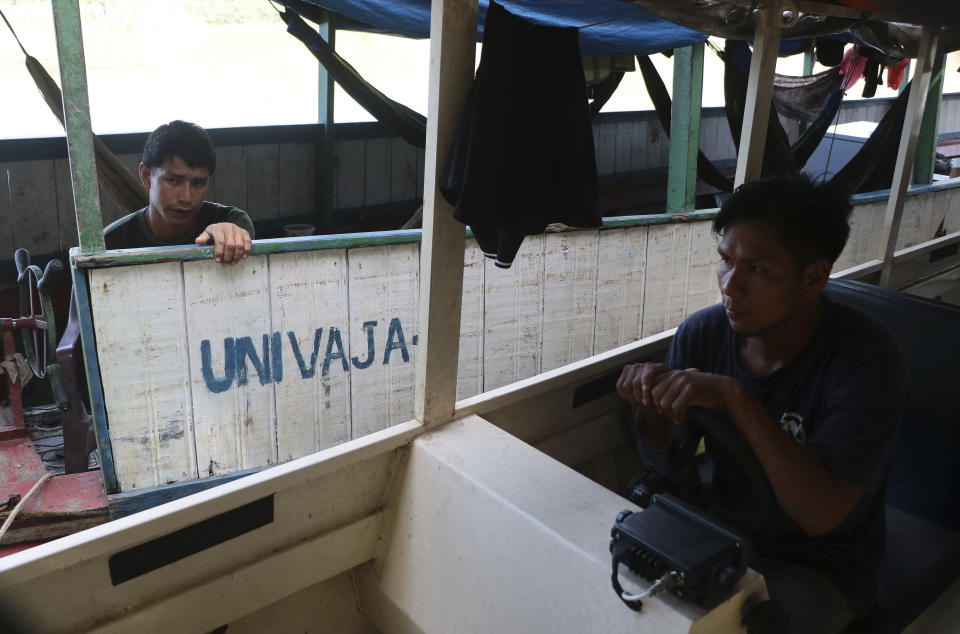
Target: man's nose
[[730, 281], [187, 191]]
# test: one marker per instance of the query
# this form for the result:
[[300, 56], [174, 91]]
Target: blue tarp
[[642, 33]]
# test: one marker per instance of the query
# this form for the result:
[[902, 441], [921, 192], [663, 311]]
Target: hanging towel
[[524, 155], [896, 73]]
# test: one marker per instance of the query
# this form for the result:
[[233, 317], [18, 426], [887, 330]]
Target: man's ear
[[144, 171], [815, 276]]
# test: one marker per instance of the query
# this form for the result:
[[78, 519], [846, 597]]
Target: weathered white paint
[[235, 428], [453, 24], [757, 104], [568, 295], [909, 137], [470, 358], [143, 352], [621, 271], [328, 606], [327, 516], [308, 298], [512, 316], [384, 286]]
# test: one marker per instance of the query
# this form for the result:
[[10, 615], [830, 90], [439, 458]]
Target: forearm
[[811, 494]]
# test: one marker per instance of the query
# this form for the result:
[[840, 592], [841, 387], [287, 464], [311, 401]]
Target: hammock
[[777, 155], [872, 167], [122, 186], [409, 124], [706, 171], [804, 98]]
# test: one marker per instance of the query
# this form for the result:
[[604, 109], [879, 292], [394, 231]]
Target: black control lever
[[52, 271], [22, 259]]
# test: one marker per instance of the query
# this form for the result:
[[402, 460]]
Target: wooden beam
[[908, 148], [326, 159], [453, 33], [757, 111], [808, 62], [577, 371], [685, 128], [76, 110], [927, 143]]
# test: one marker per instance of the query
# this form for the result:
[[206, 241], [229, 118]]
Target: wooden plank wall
[[276, 180], [289, 353], [209, 369]]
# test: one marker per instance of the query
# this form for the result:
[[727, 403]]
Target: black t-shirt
[[842, 398], [131, 231]]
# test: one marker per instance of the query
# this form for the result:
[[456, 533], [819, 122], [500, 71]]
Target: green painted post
[[927, 143], [76, 110], [326, 158], [685, 128], [807, 71]]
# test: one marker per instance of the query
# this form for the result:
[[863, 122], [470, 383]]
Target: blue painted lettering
[[368, 326], [276, 351], [395, 331], [305, 372], [245, 349], [214, 384], [237, 351], [334, 339]]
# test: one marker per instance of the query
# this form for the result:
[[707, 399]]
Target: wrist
[[734, 396]]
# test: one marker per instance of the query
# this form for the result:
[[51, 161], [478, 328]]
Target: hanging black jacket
[[524, 156]]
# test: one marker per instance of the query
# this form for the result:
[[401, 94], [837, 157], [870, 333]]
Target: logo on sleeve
[[792, 423]]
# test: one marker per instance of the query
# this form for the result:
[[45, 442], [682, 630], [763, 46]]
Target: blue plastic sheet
[[608, 27]]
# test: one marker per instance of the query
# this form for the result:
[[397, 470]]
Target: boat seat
[[922, 557], [921, 561]]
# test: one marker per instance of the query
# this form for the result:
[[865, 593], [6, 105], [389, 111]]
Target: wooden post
[[685, 128], [807, 71], [325, 138], [906, 78], [756, 113], [76, 110], [908, 149], [927, 143], [453, 33]]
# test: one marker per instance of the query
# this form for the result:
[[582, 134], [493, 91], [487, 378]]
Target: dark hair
[[812, 220], [180, 138]]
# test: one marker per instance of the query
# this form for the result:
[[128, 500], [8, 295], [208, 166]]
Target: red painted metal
[[18, 461], [11, 324], [62, 496]]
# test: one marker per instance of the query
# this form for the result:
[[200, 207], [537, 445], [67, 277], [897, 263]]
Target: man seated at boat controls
[[178, 161], [814, 387]]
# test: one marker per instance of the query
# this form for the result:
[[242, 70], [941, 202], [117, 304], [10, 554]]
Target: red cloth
[[896, 73]]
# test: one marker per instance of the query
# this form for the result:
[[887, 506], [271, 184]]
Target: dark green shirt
[[131, 231]]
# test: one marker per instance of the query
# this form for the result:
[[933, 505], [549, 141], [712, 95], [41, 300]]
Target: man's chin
[[182, 221], [742, 328]]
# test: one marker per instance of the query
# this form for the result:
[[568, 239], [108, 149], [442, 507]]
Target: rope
[[13, 32], [16, 509]]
